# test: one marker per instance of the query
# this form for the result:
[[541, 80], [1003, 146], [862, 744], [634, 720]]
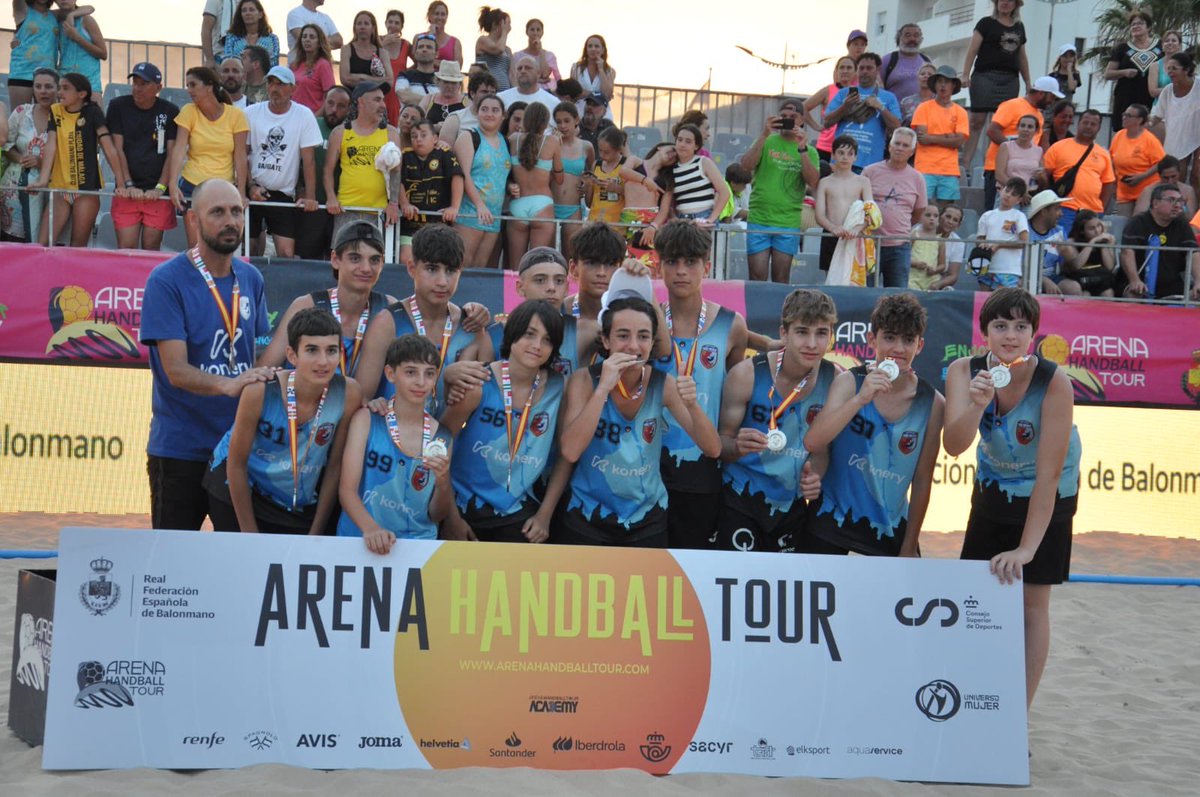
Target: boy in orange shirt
[[942, 129]]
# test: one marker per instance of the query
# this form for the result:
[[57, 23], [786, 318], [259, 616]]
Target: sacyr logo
[[904, 618], [938, 700]]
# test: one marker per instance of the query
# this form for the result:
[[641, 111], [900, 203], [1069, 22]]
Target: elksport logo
[[905, 617], [939, 700]]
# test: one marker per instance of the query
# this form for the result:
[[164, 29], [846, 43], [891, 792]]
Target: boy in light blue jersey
[[396, 469], [277, 468], [881, 428]]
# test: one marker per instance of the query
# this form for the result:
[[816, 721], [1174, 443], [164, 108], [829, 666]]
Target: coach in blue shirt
[[201, 312]]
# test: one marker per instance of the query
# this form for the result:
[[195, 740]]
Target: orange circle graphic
[[555, 658]]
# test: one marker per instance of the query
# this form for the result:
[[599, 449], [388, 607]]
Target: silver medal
[[889, 368], [1001, 376], [776, 440], [434, 448]]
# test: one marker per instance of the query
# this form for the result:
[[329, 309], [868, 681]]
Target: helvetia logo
[[96, 691], [99, 594], [656, 748]]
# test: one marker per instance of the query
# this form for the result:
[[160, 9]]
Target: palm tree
[[1113, 22]]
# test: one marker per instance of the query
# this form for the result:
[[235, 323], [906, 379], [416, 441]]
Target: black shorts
[[489, 527], [1050, 565], [278, 221], [269, 516], [692, 519], [573, 528], [828, 245], [745, 523]]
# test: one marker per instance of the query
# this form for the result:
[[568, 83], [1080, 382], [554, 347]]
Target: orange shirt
[[1007, 116], [1093, 174], [939, 121], [1134, 156]]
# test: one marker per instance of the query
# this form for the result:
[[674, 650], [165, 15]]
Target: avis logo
[[99, 594], [655, 749], [938, 700], [905, 618], [96, 691]]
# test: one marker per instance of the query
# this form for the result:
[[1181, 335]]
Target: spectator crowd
[[517, 152]]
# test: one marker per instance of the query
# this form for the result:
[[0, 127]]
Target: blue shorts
[[760, 238], [527, 207], [942, 187], [992, 281], [563, 212]]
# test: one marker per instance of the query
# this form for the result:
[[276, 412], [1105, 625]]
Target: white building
[[947, 26]]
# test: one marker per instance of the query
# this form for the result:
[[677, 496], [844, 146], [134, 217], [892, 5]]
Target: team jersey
[[1007, 453], [684, 466], [617, 478], [395, 488], [864, 493], [775, 476], [376, 302], [567, 359], [479, 469], [435, 405], [269, 466]]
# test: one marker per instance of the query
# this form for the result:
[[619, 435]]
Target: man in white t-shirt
[[213, 26], [283, 136], [527, 89], [1005, 231], [233, 80], [307, 14]]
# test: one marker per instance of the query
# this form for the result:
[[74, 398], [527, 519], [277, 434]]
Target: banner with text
[[189, 651]]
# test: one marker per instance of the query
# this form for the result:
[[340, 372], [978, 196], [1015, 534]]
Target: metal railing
[[729, 243]]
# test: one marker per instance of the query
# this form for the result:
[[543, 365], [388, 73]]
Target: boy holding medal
[[277, 468], [1027, 478], [358, 253], [395, 480], [437, 266], [882, 428], [767, 406]]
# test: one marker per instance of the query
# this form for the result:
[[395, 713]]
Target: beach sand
[[1118, 712]]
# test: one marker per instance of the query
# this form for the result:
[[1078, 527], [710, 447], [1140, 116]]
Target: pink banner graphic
[[1120, 353], [73, 304]]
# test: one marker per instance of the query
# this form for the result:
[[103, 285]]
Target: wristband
[[160, 188], [130, 183]]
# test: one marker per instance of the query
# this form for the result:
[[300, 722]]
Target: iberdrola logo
[[78, 336]]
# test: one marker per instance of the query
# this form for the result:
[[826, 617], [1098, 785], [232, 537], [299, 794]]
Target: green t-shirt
[[778, 195]]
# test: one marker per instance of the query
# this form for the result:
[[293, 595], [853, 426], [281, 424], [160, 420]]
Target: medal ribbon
[[358, 333], [773, 420], [394, 429], [447, 332], [293, 435], [641, 386], [506, 389], [690, 367], [575, 307], [230, 319]]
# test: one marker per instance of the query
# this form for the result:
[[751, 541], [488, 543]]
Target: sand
[[1118, 712]]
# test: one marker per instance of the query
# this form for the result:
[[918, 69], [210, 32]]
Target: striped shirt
[[694, 192]]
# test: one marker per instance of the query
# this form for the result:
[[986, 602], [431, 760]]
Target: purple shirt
[[897, 192], [903, 78]]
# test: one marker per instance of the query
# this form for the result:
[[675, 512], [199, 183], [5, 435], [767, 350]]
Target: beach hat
[[448, 71], [1067, 48], [624, 285], [1049, 85], [147, 71], [856, 34], [359, 231], [283, 74], [1042, 200], [367, 87], [948, 72]]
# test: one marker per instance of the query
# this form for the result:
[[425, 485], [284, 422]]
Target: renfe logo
[[210, 741]]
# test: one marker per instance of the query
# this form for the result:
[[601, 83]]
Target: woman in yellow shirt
[[211, 135]]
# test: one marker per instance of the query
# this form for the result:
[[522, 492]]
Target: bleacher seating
[[179, 97], [113, 90], [730, 142], [641, 139]]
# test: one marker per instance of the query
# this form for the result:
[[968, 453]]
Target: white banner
[[192, 651]]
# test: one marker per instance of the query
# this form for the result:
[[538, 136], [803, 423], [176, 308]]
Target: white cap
[[1047, 84], [1067, 48], [624, 285]]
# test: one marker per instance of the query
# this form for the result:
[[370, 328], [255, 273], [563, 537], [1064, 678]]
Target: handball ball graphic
[[69, 304], [1054, 348], [90, 672]]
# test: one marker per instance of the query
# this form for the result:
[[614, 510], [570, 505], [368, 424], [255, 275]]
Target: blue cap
[[147, 71]]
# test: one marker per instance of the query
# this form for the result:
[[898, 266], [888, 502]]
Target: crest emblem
[[420, 477], [908, 442], [648, 429], [1025, 432], [708, 356], [539, 424], [812, 413], [99, 595], [562, 366], [324, 434]]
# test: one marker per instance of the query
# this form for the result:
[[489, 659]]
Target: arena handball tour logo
[[99, 594], [94, 329], [97, 690]]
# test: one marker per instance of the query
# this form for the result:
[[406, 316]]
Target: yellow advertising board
[[73, 439]]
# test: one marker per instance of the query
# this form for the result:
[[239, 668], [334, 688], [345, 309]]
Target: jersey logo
[[324, 433], [1025, 432], [908, 442], [648, 429], [562, 365], [539, 424], [812, 413], [708, 356], [420, 477]]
